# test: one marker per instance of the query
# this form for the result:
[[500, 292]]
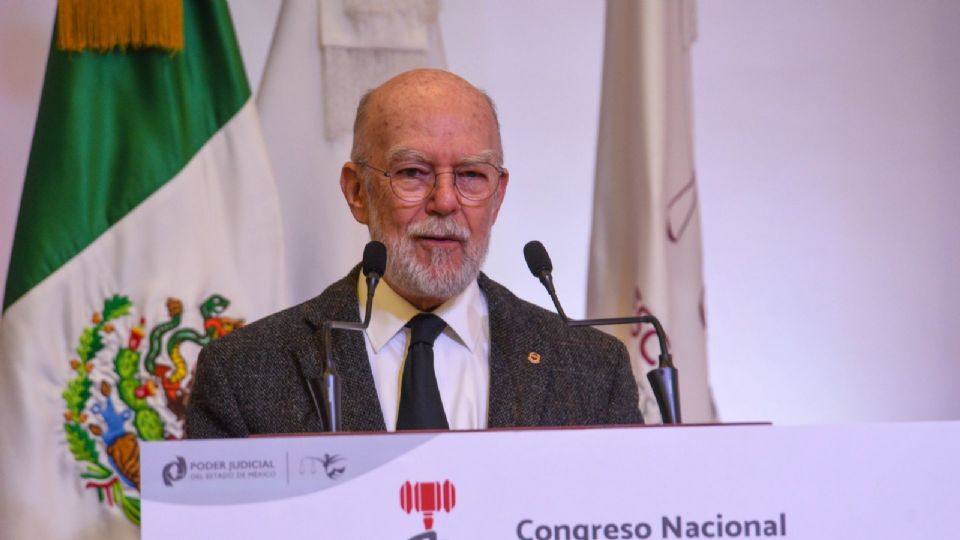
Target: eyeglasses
[[416, 181]]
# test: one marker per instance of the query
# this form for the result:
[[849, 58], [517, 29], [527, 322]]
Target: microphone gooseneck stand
[[663, 379], [325, 390]]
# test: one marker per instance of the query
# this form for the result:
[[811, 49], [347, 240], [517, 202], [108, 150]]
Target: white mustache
[[441, 228]]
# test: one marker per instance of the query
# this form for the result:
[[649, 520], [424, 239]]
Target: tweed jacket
[[252, 381]]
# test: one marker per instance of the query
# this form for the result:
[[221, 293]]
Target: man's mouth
[[438, 241]]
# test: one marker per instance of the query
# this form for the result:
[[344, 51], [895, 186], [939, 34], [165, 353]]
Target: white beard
[[438, 278]]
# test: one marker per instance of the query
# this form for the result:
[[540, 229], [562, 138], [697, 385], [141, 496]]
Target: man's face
[[435, 247]]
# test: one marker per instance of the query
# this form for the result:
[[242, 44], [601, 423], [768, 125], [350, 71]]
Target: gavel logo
[[427, 498]]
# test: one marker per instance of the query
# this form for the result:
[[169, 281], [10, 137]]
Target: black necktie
[[420, 403]]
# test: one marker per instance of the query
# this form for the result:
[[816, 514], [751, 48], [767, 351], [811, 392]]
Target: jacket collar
[[514, 400]]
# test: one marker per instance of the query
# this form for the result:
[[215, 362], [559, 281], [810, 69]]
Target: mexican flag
[[149, 226]]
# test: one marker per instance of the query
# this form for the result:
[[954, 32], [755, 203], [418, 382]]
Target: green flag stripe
[[112, 129]]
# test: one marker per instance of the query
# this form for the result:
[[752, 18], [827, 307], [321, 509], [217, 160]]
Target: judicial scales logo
[[427, 499]]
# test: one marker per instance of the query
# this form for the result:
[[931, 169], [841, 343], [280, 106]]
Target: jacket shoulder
[[252, 380], [294, 326]]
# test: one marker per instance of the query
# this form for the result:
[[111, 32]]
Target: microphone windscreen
[[374, 258], [537, 259]]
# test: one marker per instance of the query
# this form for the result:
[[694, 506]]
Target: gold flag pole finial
[[103, 25]]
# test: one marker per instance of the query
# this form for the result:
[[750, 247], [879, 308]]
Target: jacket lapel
[[361, 406], [516, 397]]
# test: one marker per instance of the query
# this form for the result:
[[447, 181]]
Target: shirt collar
[[464, 314]]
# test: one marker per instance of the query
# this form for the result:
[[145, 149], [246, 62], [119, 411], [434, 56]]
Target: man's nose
[[444, 199]]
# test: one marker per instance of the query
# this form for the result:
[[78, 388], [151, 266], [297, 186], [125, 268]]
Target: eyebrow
[[487, 156], [402, 153]]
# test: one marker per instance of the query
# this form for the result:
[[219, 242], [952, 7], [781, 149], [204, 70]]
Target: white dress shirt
[[461, 353]]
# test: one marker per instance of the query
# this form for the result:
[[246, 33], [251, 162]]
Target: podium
[[722, 481]]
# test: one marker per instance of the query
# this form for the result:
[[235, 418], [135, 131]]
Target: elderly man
[[447, 347]]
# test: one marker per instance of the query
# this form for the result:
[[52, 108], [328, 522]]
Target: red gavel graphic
[[427, 497]]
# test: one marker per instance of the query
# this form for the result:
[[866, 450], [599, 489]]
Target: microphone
[[328, 387], [541, 267], [663, 379], [374, 265]]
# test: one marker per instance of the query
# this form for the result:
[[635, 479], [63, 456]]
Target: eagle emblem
[[131, 383]]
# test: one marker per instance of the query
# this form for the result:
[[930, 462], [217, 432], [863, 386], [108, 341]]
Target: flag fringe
[[102, 25]]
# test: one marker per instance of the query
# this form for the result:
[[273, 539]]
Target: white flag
[[645, 248]]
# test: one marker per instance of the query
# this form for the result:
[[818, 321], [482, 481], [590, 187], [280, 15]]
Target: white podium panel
[[803, 482]]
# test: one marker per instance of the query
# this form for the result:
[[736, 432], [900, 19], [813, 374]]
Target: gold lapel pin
[[534, 357]]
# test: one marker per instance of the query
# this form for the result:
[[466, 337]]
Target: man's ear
[[352, 186]]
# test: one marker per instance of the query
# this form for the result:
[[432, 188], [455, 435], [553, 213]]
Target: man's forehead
[[429, 91], [392, 121], [421, 108], [416, 102]]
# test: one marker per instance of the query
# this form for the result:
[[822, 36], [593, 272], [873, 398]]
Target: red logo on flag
[[643, 334], [427, 498]]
